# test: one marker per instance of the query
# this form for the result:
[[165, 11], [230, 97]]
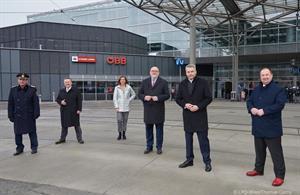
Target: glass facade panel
[[253, 38], [287, 35], [121, 15], [270, 36]]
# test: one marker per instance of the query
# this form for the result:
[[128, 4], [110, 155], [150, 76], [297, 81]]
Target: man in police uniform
[[23, 110]]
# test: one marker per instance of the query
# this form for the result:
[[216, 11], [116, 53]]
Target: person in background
[[123, 95], [173, 93]]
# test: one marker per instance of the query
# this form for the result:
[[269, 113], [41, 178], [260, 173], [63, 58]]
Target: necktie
[[190, 87], [153, 82]]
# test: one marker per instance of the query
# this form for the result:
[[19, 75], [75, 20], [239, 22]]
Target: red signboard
[[117, 60], [84, 59]]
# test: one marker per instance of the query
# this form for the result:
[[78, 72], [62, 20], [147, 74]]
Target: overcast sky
[[14, 12]]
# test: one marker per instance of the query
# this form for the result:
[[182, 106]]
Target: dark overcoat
[[68, 113], [200, 96], [154, 111], [23, 109], [271, 98]]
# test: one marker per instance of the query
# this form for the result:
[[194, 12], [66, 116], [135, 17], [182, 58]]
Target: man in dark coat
[[154, 92], [194, 96], [265, 105], [23, 110], [70, 101]]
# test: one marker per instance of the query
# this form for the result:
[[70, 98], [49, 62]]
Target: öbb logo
[[117, 60]]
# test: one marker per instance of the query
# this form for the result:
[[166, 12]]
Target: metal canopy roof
[[216, 15]]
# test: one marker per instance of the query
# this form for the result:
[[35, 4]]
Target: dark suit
[[23, 110], [154, 111], [68, 113], [196, 93]]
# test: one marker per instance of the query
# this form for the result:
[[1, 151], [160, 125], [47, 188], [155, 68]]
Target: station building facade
[[93, 57]]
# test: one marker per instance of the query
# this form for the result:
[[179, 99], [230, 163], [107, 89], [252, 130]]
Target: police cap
[[23, 75]]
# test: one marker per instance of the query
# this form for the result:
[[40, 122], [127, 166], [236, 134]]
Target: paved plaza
[[104, 165]]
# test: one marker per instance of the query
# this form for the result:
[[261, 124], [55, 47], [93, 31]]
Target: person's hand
[[63, 102], [260, 112], [194, 108], [147, 98], [78, 111], [254, 111], [155, 98], [188, 106]]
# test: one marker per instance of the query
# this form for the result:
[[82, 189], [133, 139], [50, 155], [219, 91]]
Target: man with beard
[[154, 92]]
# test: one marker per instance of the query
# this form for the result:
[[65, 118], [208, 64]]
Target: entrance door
[[228, 89]]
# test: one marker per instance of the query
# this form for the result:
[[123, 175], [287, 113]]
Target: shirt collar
[[154, 79], [266, 85], [68, 89]]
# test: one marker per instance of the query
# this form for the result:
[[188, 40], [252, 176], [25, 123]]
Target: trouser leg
[[260, 152], [78, 133], [149, 136], [64, 133], [275, 148], [189, 145], [204, 146], [33, 140], [19, 142], [125, 119], [159, 135], [120, 121]]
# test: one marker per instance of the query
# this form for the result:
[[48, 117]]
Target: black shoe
[[60, 141], [81, 142], [208, 167], [18, 153], [159, 151], [124, 136], [120, 136], [186, 163], [34, 151], [147, 151]]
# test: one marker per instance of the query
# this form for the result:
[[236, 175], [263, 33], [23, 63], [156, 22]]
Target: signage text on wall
[[295, 70], [84, 59], [116, 60], [179, 61]]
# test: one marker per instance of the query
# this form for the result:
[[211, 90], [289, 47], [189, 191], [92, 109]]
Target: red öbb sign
[[117, 60]]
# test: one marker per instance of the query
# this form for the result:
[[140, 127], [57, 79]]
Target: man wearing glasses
[[153, 93], [23, 110]]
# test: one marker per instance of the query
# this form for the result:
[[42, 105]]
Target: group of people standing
[[193, 96]]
